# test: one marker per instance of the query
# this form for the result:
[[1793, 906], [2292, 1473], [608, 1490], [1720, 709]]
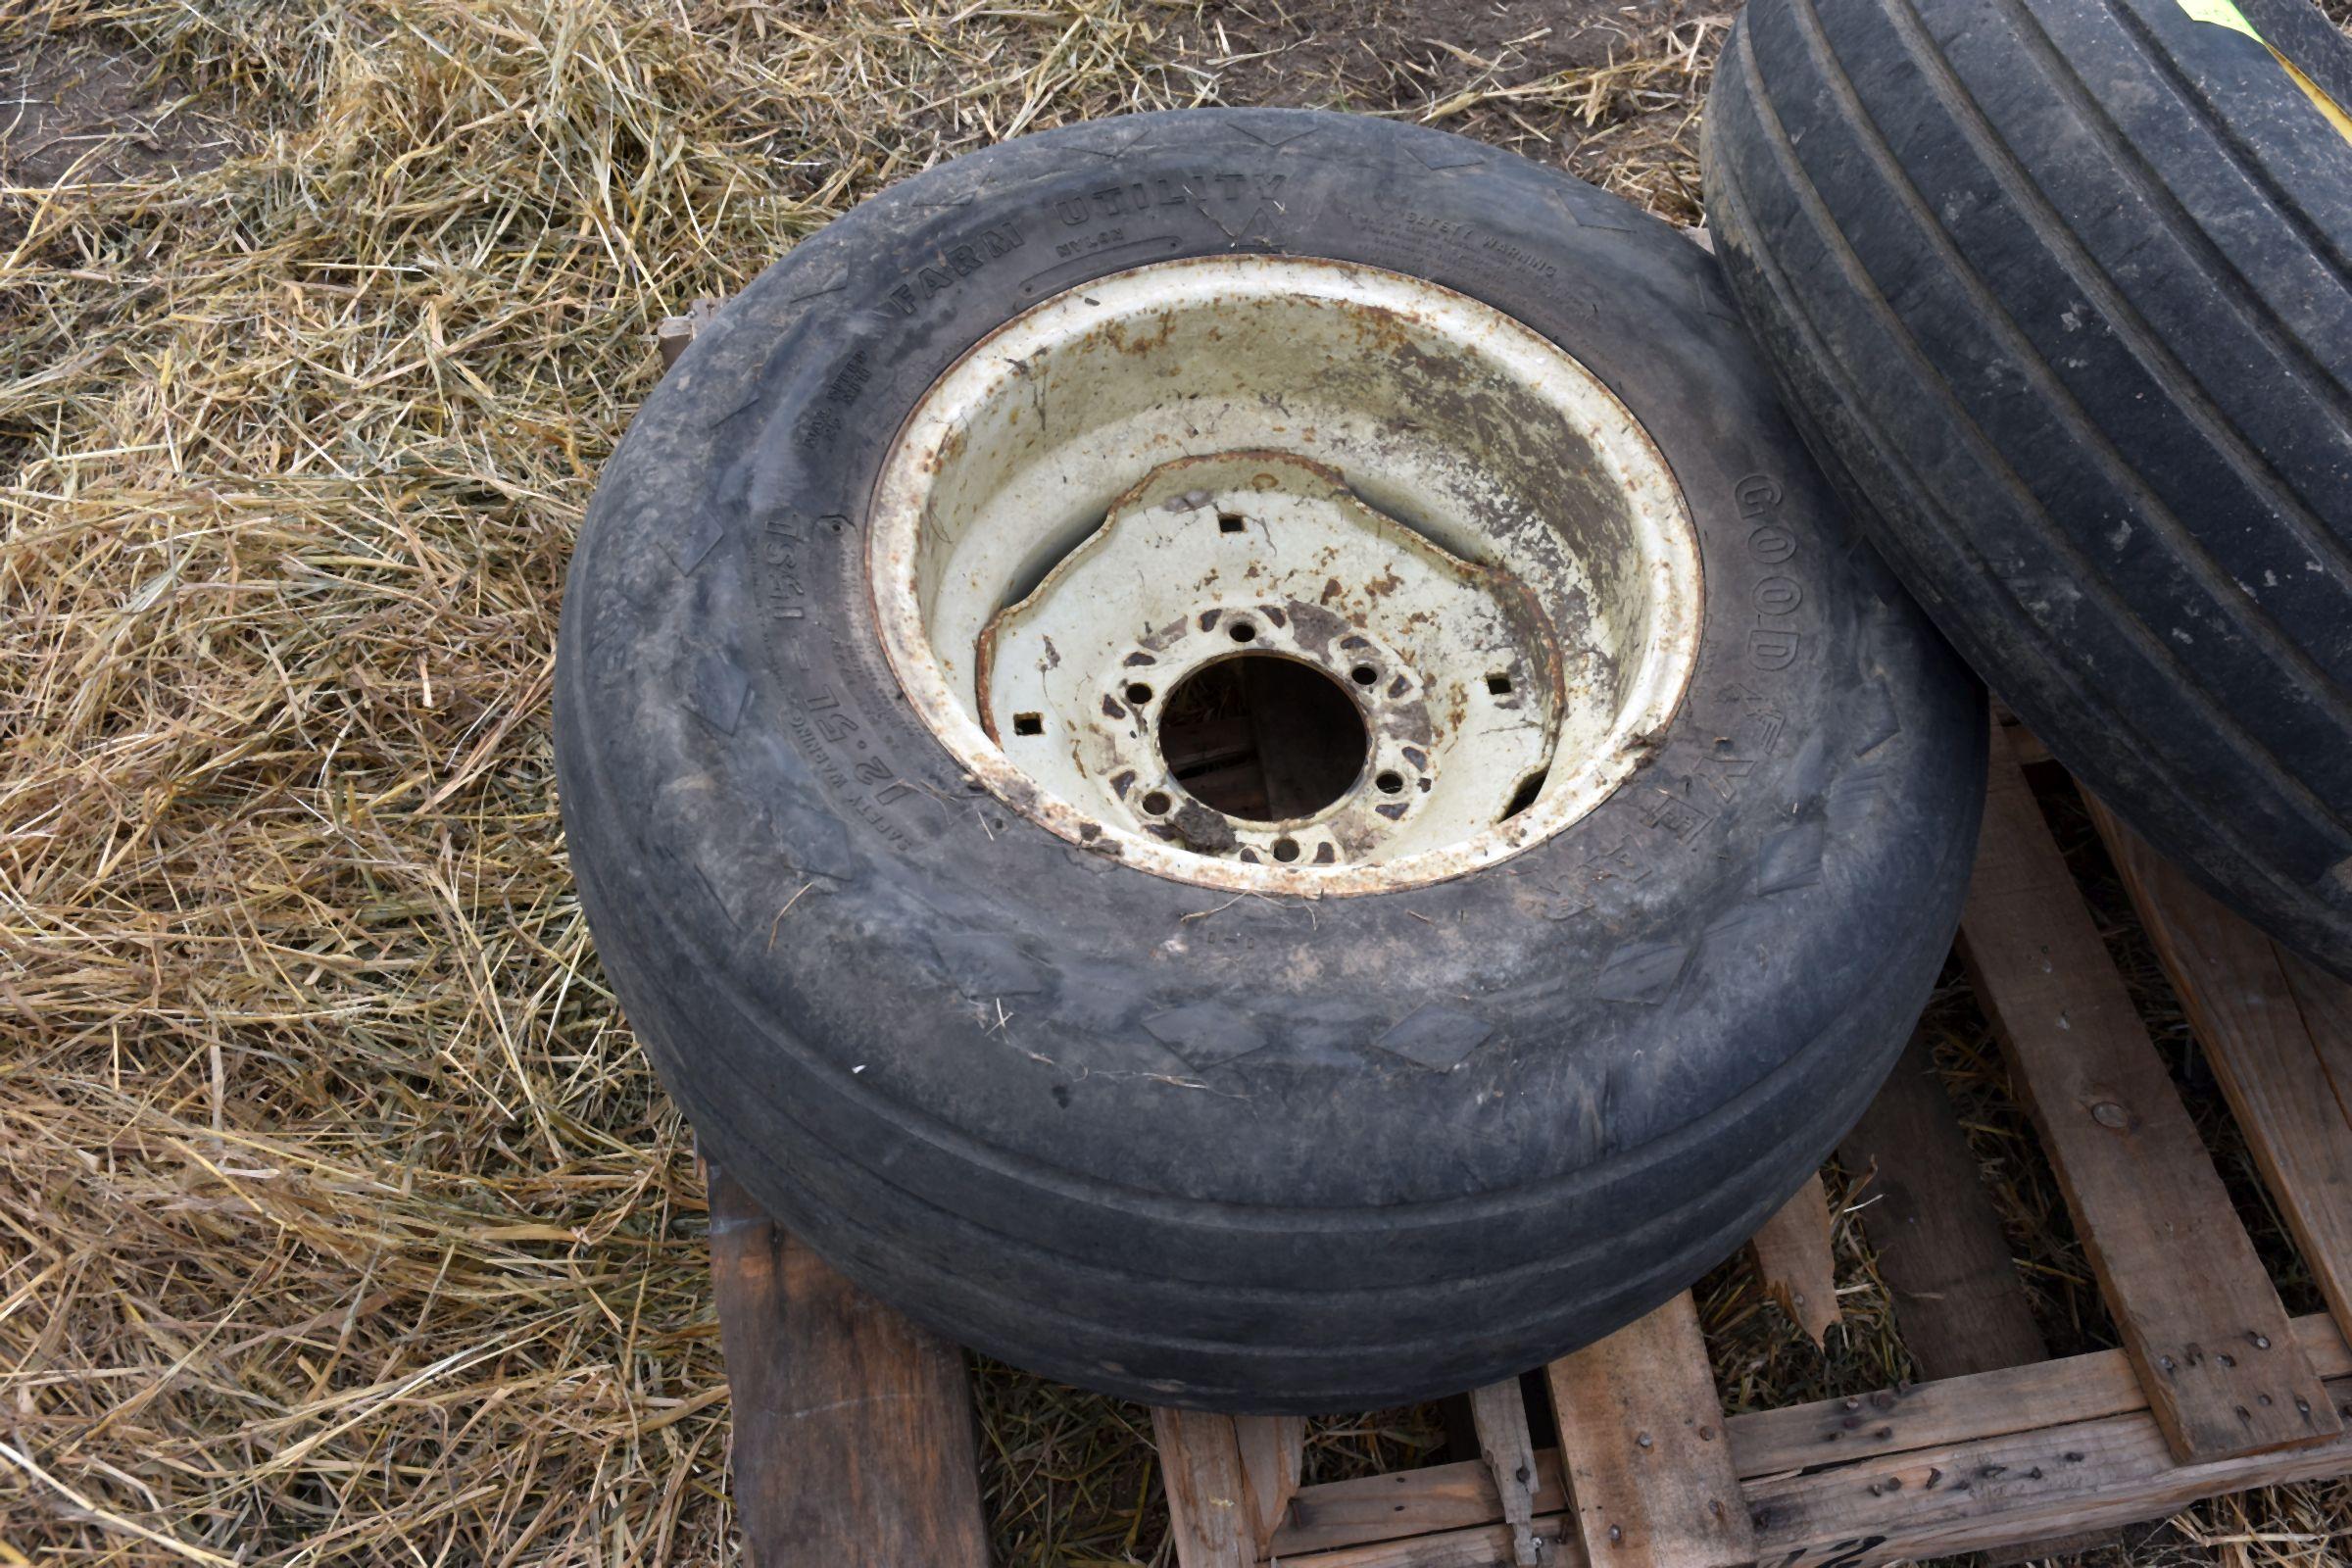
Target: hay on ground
[[340, 1219]]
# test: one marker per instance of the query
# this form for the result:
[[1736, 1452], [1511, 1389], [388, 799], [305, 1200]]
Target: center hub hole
[[1264, 738]]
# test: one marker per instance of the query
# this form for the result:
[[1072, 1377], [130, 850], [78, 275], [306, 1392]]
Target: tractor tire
[[2061, 296], [1296, 1102]]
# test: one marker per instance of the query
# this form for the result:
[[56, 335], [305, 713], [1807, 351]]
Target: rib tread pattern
[[1979, 458]]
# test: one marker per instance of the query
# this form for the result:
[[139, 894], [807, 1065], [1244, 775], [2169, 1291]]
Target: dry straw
[[340, 1219]]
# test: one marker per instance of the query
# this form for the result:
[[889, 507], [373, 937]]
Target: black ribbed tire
[[1247, 1153], [2061, 294]]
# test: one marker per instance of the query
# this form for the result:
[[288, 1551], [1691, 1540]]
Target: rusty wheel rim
[[1268, 464]]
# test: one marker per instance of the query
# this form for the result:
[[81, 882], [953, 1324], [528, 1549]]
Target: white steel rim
[[1423, 486]]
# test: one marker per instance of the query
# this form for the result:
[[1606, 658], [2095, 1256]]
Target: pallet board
[[2199, 1317], [1806, 1473], [1211, 1510], [2278, 1035], [1643, 1449], [1793, 1262], [1957, 1296], [854, 1443], [1507, 1449], [1997, 1450]]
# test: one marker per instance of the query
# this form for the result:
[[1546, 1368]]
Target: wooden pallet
[[854, 1439]]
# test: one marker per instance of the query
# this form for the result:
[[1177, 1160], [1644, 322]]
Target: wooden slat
[[1272, 1449], [1406, 1502], [853, 1441], [2203, 1326], [1208, 1499], [2325, 1004], [675, 332], [2279, 1040], [1972, 1497], [1508, 1451], [1643, 1448], [1940, 1249], [1791, 1259], [1871, 1436], [1957, 1296], [1966, 1409]]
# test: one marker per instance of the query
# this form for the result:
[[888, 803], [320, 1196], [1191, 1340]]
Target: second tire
[[2061, 294]]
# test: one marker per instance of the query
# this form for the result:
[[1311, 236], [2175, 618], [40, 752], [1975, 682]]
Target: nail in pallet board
[[2215, 1389]]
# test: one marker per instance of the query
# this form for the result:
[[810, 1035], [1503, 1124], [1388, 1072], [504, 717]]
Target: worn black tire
[[2061, 295], [1191, 1147]]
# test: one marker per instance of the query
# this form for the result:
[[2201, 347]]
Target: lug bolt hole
[[1138, 693], [1231, 522], [1390, 783], [1156, 804], [1028, 723], [1499, 684], [1286, 849], [1363, 674], [1242, 631]]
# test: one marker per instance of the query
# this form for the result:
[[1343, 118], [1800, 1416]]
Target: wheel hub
[[1260, 557]]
